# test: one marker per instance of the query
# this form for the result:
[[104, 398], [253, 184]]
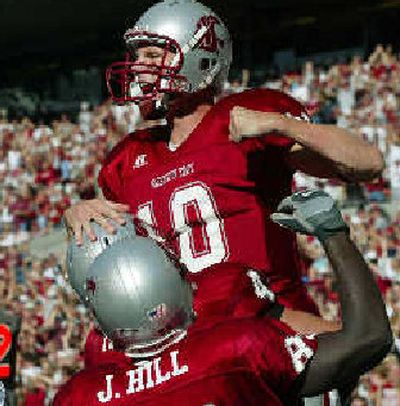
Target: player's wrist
[[276, 122], [293, 128], [326, 237], [327, 223], [282, 123]]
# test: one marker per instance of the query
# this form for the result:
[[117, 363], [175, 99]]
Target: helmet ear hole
[[205, 64]]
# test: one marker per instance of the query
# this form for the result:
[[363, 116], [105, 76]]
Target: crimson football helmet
[[194, 34]]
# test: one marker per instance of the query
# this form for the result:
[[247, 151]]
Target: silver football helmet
[[197, 37], [80, 258], [139, 297]]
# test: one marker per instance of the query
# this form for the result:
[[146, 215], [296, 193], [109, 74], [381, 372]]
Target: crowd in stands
[[45, 168], [362, 96]]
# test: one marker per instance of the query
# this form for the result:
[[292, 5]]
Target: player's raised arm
[[321, 150], [365, 337]]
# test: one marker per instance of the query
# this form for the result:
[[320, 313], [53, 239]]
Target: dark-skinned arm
[[365, 336]]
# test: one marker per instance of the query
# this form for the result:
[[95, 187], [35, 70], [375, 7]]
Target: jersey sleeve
[[109, 178], [105, 185], [279, 355], [66, 396], [267, 100]]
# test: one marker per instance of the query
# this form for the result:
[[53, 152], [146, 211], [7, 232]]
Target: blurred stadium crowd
[[45, 168]]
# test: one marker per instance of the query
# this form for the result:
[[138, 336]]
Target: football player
[[166, 360], [206, 182]]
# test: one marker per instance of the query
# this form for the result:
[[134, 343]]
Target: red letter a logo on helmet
[[209, 42]]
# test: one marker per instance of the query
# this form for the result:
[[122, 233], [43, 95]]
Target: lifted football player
[[206, 182], [187, 182]]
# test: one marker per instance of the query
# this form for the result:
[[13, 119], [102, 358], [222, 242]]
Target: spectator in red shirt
[[46, 175], [35, 397]]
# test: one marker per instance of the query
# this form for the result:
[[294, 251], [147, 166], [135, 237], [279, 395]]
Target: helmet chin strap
[[153, 109]]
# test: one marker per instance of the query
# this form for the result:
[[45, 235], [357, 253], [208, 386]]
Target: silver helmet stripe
[[210, 77]]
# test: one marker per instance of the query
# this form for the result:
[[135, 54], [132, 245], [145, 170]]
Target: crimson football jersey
[[210, 199], [232, 363]]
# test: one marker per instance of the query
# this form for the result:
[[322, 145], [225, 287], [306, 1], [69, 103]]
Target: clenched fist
[[79, 216], [250, 123]]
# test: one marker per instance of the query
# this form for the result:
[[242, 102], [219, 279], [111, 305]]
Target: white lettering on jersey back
[[105, 397], [176, 369], [260, 289], [146, 375], [160, 378], [107, 345], [141, 160], [299, 352], [147, 367]]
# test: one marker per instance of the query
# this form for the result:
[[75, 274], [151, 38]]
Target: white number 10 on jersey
[[198, 197]]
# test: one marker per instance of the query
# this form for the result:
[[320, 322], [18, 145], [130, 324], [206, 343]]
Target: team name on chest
[[146, 375], [176, 173]]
